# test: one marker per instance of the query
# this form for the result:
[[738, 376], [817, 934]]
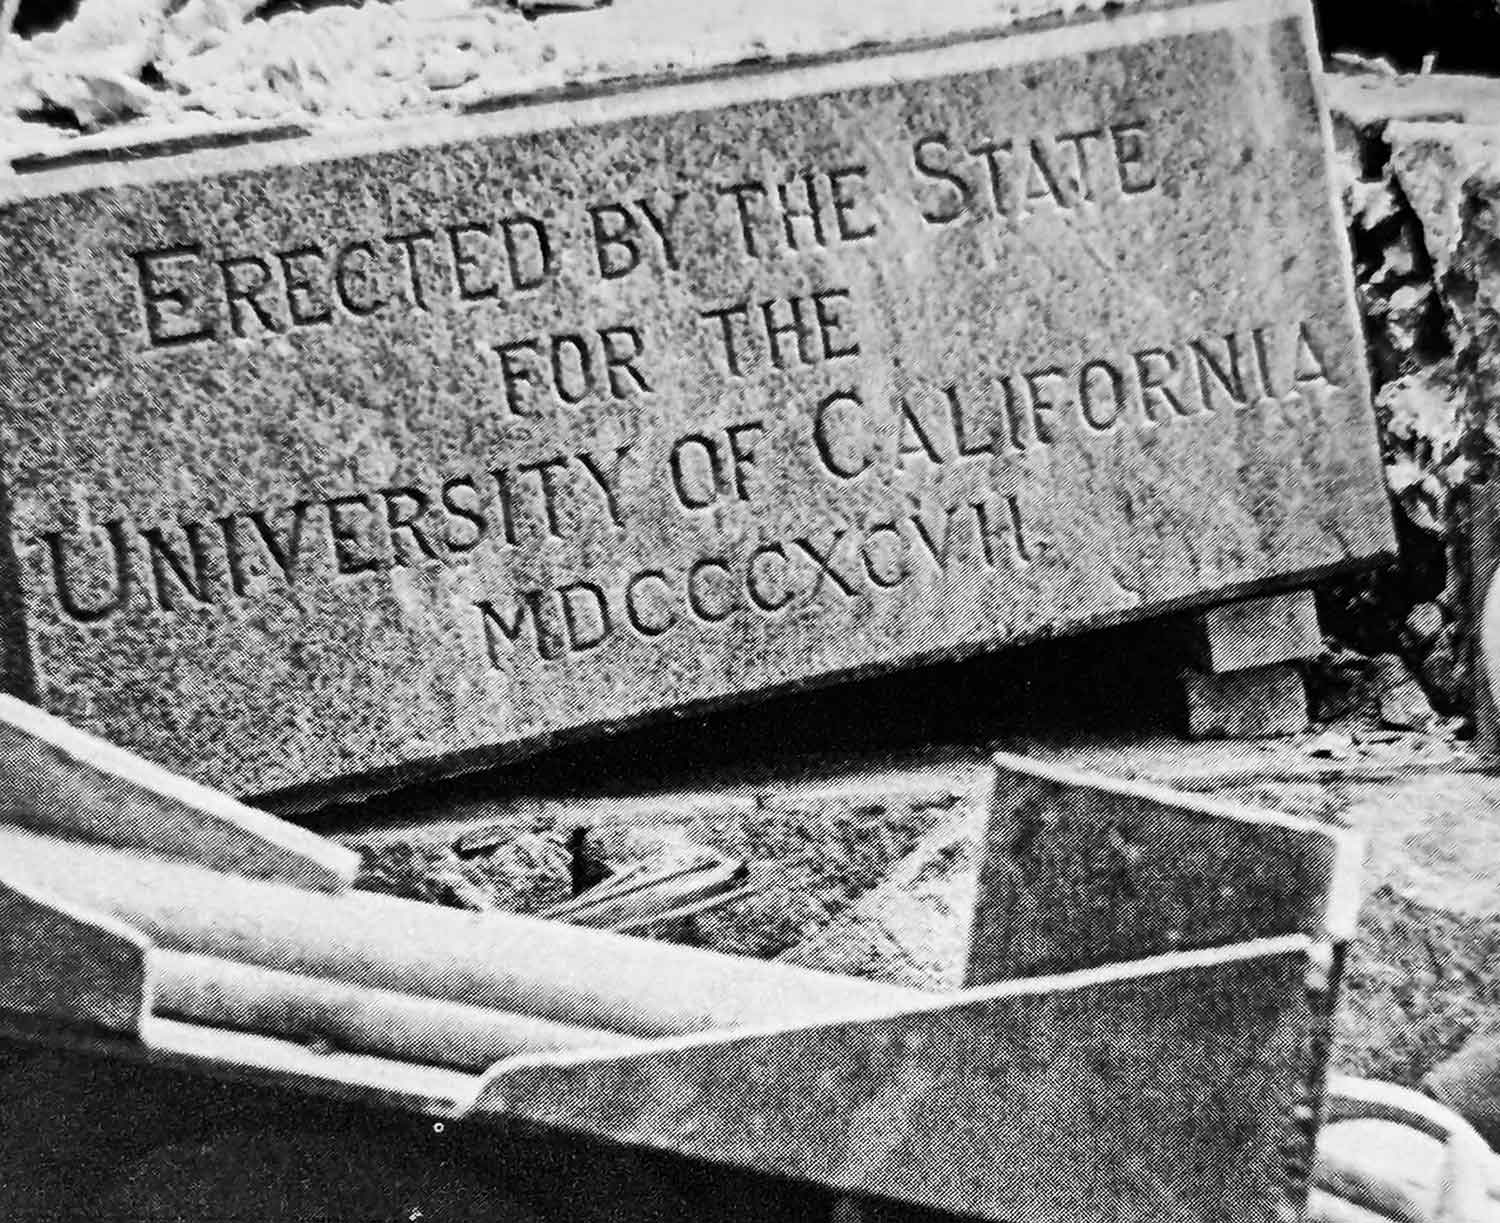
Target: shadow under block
[[393, 451]]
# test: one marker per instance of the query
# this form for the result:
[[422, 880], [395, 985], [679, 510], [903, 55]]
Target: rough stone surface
[[818, 844], [1403, 704], [1178, 1088], [1420, 163], [1258, 632], [568, 502], [914, 928], [1422, 973], [1469, 1081], [1079, 871], [1421, 977], [1262, 703]]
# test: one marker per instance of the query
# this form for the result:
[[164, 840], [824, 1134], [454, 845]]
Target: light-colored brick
[[1263, 703], [1257, 633]]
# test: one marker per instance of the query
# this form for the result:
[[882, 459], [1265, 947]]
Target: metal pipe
[[246, 997], [568, 974]]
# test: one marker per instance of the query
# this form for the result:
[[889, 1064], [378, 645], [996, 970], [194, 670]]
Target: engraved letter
[[300, 306], [743, 193], [498, 629], [1311, 367], [767, 603], [840, 181], [834, 461], [609, 480], [622, 349], [466, 261], [665, 225], [929, 155], [528, 250], [516, 374], [1138, 173], [1157, 368], [283, 552], [587, 627], [696, 600], [408, 243], [347, 535], [1101, 387], [245, 291], [871, 570], [1224, 374], [72, 608], [615, 246], [359, 307], [166, 305], [829, 321], [638, 621], [164, 561], [726, 316], [704, 491], [404, 507], [471, 514]]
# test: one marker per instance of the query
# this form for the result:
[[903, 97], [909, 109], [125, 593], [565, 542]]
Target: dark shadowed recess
[[1093, 685], [1462, 35], [33, 16]]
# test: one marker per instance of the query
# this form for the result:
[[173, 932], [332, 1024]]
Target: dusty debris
[[1403, 704], [914, 928], [1331, 745]]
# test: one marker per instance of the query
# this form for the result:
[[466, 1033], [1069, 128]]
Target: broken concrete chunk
[[1403, 704]]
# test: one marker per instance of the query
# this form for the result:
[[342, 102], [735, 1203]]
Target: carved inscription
[[204, 289], [201, 288], [527, 503]]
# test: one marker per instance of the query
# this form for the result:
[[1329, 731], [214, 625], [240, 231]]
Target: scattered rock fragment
[[1423, 624], [1331, 745], [1261, 703], [1446, 673], [449, 67], [1403, 704], [1377, 738]]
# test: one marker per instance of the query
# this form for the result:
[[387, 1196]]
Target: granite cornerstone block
[[331, 456]]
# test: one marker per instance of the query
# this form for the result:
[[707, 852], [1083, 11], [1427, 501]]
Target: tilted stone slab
[[1180, 1088], [354, 455], [1079, 869], [1073, 869]]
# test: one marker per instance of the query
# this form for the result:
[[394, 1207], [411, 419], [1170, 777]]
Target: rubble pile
[[153, 62], [1420, 158]]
